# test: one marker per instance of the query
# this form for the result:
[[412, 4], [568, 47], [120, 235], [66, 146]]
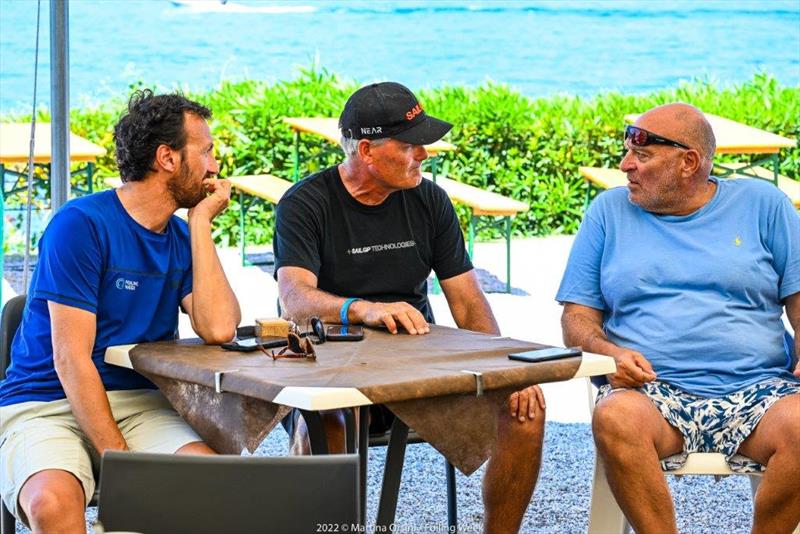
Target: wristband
[[345, 307]]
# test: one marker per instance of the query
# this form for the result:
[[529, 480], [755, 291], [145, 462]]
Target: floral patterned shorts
[[715, 424]]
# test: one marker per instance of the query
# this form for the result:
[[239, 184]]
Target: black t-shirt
[[380, 253]]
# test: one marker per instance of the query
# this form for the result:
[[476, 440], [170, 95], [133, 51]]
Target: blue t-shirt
[[699, 295], [95, 257]]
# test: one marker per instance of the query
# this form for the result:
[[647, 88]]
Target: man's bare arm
[[468, 304], [212, 306], [792, 303], [583, 326], [301, 298], [73, 334]]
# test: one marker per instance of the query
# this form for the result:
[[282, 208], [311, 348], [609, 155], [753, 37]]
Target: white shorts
[[35, 436]]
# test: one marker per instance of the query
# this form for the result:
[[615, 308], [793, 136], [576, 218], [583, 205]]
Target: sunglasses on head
[[641, 137]]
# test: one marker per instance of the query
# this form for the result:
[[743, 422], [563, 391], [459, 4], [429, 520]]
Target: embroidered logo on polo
[[382, 248], [125, 284]]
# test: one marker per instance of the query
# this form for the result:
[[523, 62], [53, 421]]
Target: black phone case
[[531, 356], [267, 344]]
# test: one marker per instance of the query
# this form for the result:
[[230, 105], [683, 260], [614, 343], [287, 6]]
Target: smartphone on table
[[544, 355], [340, 332], [250, 344]]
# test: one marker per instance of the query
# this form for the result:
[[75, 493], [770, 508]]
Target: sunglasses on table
[[641, 137], [299, 346]]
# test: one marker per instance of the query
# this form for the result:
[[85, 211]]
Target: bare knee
[[196, 447], [619, 417], [528, 431], [49, 497]]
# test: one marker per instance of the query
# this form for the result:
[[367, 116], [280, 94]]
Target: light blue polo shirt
[[95, 257], [699, 295]]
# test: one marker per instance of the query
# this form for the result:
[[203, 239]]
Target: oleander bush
[[525, 148]]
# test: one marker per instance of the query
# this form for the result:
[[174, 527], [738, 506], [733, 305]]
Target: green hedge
[[525, 148]]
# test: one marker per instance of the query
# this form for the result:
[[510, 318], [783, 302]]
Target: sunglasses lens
[[637, 136], [295, 344]]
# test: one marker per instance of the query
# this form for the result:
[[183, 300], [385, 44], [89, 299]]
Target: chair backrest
[[153, 493], [9, 322]]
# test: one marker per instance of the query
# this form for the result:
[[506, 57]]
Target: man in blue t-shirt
[[683, 279], [113, 269]]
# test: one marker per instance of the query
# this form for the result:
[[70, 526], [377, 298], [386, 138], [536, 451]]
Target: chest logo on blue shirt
[[737, 241], [129, 285]]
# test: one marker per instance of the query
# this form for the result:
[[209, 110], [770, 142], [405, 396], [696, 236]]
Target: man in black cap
[[355, 244]]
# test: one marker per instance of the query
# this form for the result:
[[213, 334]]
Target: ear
[[365, 151], [691, 162], [167, 159]]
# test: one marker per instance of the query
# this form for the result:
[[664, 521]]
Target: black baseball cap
[[388, 109]]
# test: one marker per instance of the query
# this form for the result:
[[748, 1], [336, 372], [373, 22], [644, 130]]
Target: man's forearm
[[582, 331], [89, 402], [477, 317], [215, 310], [299, 302]]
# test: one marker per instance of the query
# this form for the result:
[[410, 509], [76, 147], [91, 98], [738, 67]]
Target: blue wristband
[[345, 307]]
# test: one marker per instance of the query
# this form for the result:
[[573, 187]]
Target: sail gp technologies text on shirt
[[383, 247]]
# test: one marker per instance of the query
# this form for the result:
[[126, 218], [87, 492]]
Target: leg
[[334, 423], [512, 471], [630, 454], [195, 447], [53, 501], [774, 444], [46, 475]]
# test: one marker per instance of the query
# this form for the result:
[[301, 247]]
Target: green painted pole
[[241, 225], [296, 174], [508, 254]]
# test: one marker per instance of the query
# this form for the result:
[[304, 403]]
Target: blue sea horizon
[[540, 48]]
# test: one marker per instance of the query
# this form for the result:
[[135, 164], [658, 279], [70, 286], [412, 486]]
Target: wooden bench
[[601, 178], [790, 187], [258, 187], [483, 203]]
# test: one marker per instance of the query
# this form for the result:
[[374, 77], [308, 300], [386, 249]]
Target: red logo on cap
[[416, 110]]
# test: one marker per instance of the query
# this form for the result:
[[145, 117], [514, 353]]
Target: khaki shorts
[[35, 436]]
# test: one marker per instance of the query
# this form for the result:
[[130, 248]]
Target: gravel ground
[[560, 504]]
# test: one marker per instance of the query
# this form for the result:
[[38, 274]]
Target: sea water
[[540, 48]]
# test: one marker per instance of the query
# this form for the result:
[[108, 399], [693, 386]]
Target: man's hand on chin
[[219, 194]]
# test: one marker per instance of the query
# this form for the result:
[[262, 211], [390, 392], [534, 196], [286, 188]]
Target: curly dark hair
[[151, 120]]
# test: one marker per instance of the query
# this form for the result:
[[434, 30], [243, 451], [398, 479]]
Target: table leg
[[508, 254], [452, 501], [242, 212], [363, 452], [296, 175], [90, 176], [316, 432], [776, 167], [392, 472]]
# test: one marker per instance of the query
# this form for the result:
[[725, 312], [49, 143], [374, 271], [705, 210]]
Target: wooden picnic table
[[736, 138], [15, 147], [732, 138], [15, 141]]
